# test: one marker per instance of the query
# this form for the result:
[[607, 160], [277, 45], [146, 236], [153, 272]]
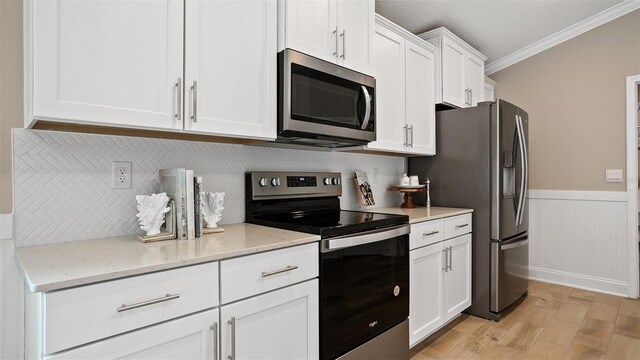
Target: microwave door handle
[[367, 104]]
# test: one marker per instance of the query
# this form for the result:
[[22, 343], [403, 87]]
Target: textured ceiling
[[495, 28]]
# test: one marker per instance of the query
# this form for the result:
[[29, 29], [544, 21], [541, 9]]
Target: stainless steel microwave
[[323, 104]]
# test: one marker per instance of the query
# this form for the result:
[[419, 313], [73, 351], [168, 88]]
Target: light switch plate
[[614, 176]]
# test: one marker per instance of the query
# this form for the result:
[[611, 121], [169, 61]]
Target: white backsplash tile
[[63, 181]]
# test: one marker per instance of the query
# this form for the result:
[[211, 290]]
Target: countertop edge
[[415, 217], [45, 287]]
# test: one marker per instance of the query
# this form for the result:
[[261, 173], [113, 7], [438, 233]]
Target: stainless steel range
[[364, 261]]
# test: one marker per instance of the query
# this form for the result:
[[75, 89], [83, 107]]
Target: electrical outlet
[[613, 176], [122, 175]]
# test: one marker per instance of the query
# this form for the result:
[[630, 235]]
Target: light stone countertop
[[420, 213], [57, 266]]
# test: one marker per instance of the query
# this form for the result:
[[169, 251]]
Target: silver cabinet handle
[[450, 258], [232, 322], [467, 92], [194, 102], [178, 86], [430, 233], [470, 97], [288, 268], [406, 135], [461, 226], [335, 33], [343, 35], [445, 259], [214, 327], [411, 143], [125, 307]]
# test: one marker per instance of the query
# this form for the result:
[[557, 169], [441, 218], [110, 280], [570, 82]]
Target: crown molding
[[390, 25], [561, 36], [444, 32]]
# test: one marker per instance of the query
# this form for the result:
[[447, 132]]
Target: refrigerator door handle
[[514, 245], [522, 169], [525, 161]]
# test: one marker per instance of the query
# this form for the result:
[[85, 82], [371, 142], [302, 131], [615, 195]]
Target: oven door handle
[[347, 241]]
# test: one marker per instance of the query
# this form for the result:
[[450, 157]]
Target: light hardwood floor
[[553, 322]]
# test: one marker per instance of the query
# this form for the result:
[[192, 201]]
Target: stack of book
[[186, 191]]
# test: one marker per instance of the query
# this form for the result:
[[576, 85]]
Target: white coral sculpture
[[212, 208], [151, 210]]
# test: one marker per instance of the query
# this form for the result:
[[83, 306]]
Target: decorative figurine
[[151, 210], [212, 208]]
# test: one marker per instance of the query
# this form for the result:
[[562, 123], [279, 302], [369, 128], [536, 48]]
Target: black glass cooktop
[[332, 223]]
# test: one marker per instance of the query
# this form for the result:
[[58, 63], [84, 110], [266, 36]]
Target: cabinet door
[[355, 39], [191, 337], [107, 62], [457, 294], [232, 64], [311, 27], [420, 100], [390, 85], [426, 283], [453, 79], [282, 324], [474, 74]]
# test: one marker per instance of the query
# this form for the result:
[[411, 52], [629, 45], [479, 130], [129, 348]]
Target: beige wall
[[11, 93], [575, 96]]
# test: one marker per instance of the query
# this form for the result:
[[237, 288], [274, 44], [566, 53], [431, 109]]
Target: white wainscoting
[[579, 239]]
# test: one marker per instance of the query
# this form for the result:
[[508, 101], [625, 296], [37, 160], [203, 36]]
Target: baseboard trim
[[616, 196], [6, 226], [561, 36], [608, 286]]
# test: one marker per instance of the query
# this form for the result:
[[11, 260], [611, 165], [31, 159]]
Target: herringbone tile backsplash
[[63, 181]]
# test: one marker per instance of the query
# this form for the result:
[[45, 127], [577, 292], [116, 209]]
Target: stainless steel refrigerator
[[481, 163]]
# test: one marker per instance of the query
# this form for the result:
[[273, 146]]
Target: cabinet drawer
[[425, 233], [250, 275], [457, 225], [80, 315]]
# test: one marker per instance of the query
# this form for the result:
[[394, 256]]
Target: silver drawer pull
[[461, 226], [288, 268], [431, 233], [167, 297]]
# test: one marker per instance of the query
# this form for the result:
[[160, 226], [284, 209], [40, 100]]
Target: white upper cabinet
[[489, 89], [389, 73], [420, 102], [183, 65], [230, 68], [404, 69], [355, 40], [459, 70], [104, 62], [339, 31]]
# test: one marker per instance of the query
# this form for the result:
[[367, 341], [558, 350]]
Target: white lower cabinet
[[440, 281], [269, 310], [191, 337], [282, 324], [426, 284]]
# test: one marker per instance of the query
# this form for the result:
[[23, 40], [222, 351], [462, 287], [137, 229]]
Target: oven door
[[324, 99], [364, 288]]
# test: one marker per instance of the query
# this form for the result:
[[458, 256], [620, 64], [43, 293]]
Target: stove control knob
[[336, 181], [275, 182], [262, 182], [327, 181]]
